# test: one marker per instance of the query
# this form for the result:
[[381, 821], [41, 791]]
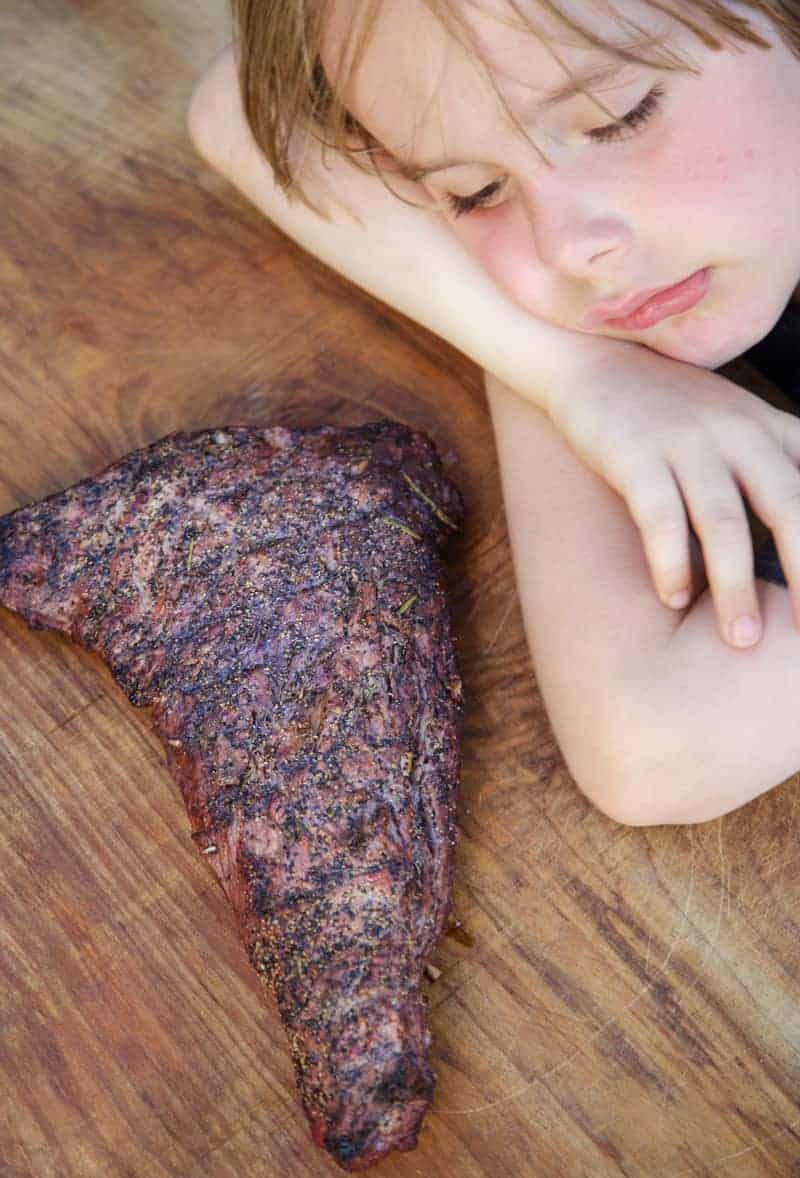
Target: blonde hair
[[286, 94]]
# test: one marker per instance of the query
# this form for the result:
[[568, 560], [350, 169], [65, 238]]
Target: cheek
[[696, 172], [686, 174], [502, 242]]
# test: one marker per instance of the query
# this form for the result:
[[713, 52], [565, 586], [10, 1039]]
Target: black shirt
[[777, 356]]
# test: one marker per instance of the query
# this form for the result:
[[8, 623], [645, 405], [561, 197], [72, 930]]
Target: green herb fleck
[[396, 524], [408, 604], [191, 550], [437, 511]]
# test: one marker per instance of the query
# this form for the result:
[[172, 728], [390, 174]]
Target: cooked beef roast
[[277, 596]]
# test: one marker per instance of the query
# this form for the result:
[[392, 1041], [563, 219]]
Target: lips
[[649, 307]]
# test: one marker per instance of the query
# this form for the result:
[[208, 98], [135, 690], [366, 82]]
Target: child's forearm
[[402, 255]]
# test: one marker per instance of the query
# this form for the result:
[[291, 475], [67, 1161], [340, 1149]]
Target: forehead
[[415, 78]]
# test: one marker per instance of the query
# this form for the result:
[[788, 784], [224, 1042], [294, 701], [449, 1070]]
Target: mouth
[[658, 305]]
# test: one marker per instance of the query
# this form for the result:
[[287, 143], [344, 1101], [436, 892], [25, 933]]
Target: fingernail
[[744, 631], [679, 600]]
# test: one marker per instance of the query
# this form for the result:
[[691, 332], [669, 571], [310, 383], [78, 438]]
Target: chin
[[701, 355], [725, 325], [704, 339], [685, 346]]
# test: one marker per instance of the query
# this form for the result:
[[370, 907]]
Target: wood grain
[[628, 1001]]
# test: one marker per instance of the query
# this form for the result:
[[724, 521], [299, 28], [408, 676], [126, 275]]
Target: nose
[[574, 232]]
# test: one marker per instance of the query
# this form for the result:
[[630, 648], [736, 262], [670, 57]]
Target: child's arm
[[671, 439], [401, 255], [659, 721], [603, 640]]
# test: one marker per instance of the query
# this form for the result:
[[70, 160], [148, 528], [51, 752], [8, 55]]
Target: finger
[[788, 434], [772, 485], [655, 504], [786, 427], [716, 508]]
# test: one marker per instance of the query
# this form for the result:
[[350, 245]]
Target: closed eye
[[631, 122], [636, 118]]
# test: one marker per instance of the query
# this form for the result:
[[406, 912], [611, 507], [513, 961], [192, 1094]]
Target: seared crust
[[278, 597]]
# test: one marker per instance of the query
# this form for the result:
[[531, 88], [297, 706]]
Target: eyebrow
[[416, 169]]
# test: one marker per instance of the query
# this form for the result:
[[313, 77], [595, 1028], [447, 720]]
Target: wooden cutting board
[[626, 1000]]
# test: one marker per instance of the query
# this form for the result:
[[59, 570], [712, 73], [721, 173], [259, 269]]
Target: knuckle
[[627, 462], [661, 519], [667, 522], [723, 515], [656, 506], [694, 439], [744, 431]]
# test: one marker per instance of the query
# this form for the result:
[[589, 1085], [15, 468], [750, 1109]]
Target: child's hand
[[671, 438]]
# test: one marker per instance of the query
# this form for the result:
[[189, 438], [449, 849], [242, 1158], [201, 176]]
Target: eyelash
[[635, 119]]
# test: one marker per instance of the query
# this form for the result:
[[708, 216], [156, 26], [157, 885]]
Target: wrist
[[542, 362], [593, 356]]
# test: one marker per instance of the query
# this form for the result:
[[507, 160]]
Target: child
[[681, 168]]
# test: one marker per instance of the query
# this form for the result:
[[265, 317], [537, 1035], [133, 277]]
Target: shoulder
[[214, 118]]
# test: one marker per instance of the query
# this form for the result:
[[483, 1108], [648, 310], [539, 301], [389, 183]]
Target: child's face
[[712, 179]]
